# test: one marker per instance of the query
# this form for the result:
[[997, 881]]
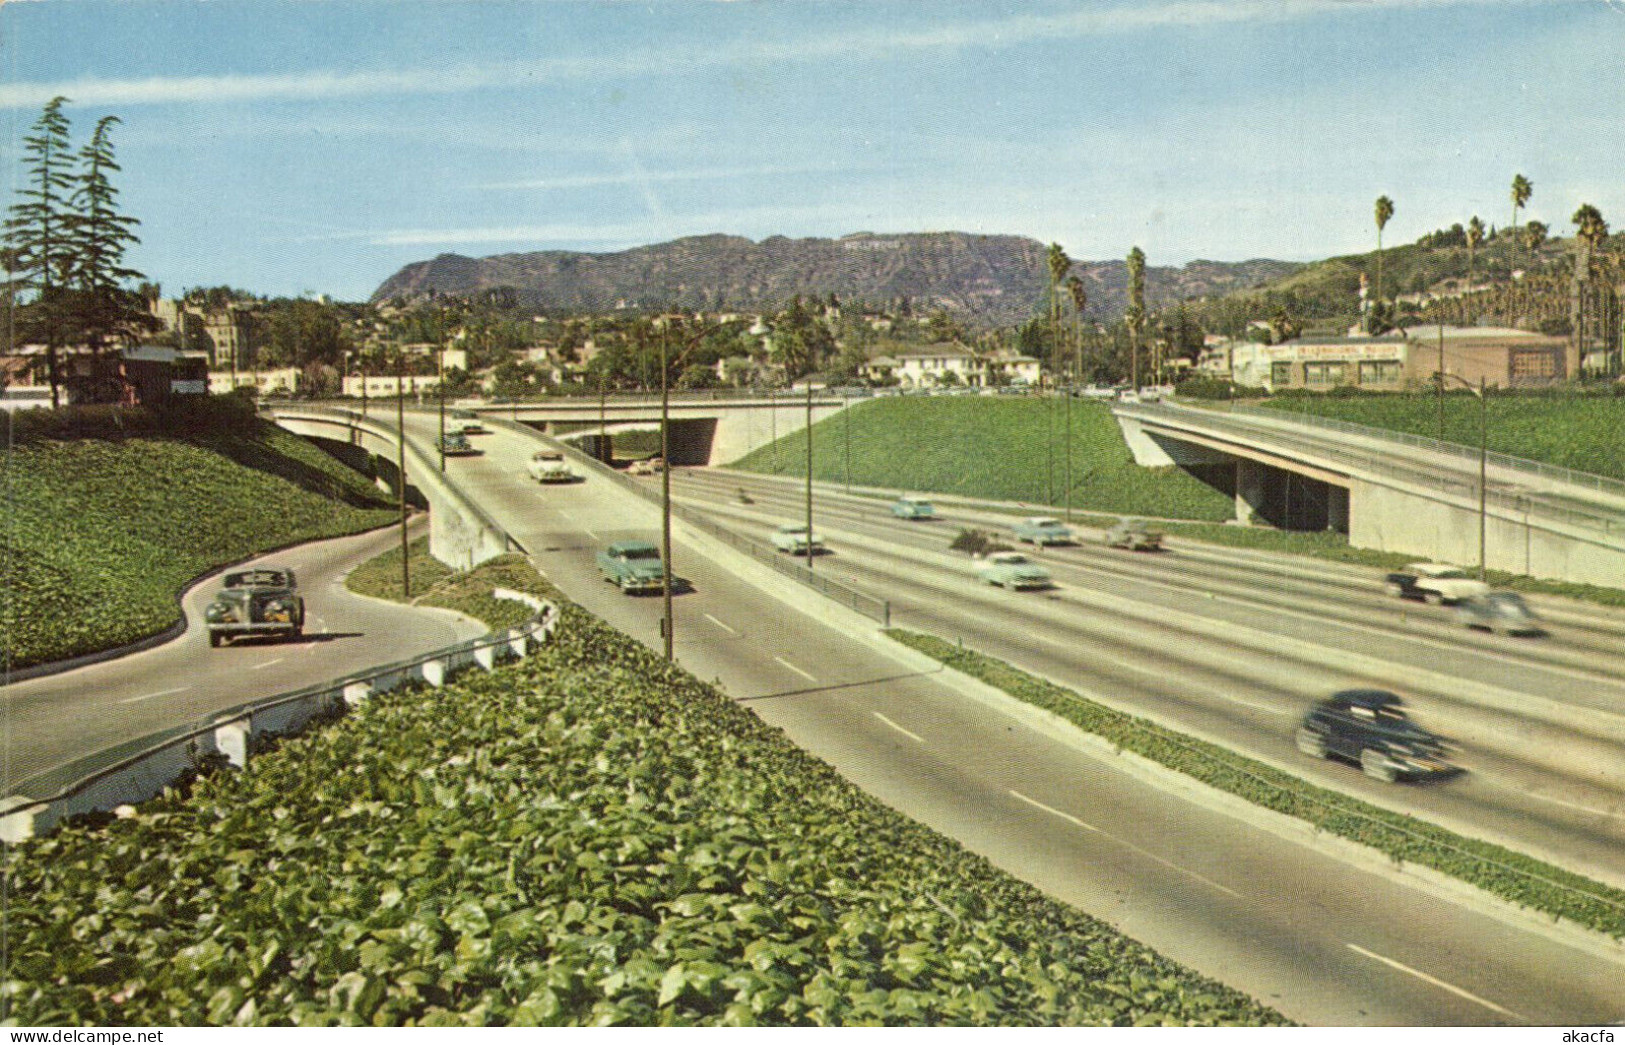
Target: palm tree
[[1590, 231], [1522, 189], [1134, 315], [1475, 236], [1534, 234], [1384, 211]]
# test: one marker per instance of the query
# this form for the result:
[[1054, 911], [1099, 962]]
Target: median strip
[[1501, 872]]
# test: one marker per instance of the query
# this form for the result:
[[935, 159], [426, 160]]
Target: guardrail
[[429, 464], [1610, 525], [871, 606], [139, 769]]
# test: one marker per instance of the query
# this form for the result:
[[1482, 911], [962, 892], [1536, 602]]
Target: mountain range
[[980, 280]]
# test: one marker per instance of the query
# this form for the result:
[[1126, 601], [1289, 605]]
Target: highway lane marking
[[1069, 818], [1144, 669], [721, 625], [912, 736], [795, 669], [1612, 814], [1435, 981], [256, 667], [589, 533], [149, 696]]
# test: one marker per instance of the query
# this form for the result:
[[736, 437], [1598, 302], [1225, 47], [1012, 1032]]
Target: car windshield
[[1045, 523], [547, 455], [640, 553], [1010, 559]]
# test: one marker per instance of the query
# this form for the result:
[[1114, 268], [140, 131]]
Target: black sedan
[[1370, 728]]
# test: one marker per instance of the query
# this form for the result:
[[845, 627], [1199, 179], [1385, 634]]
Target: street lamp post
[[668, 623], [400, 469], [440, 387], [1483, 458], [809, 475]]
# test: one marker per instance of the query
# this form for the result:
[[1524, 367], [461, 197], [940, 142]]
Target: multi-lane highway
[[50, 721], [1234, 646], [1324, 941]]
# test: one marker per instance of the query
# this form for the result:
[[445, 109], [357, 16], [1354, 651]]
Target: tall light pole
[[1483, 457], [440, 387], [668, 624], [809, 475], [400, 469]]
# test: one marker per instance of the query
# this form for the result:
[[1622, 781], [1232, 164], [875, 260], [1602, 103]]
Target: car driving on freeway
[[261, 601], [1499, 611], [1134, 535], [794, 539], [1042, 531], [1434, 583], [632, 566], [1012, 570], [910, 507], [549, 466], [1370, 728], [455, 444]]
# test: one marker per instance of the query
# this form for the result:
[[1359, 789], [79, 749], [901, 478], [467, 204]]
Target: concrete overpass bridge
[[1392, 492], [461, 534], [706, 428]]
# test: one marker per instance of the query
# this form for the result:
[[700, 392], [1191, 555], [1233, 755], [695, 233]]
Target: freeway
[[51, 720], [1324, 941], [1234, 646]]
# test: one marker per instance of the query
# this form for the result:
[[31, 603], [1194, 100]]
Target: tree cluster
[[65, 240]]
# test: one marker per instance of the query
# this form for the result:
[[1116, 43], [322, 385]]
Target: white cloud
[[876, 44], [592, 181]]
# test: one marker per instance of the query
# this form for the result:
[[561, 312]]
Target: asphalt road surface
[[1325, 942], [52, 720]]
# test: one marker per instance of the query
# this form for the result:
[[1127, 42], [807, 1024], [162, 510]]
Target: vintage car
[[261, 601], [1370, 728], [1499, 611], [455, 444], [1434, 583], [910, 507], [1134, 535], [793, 539], [468, 422], [1012, 570], [646, 466], [549, 466], [633, 566], [1042, 530]]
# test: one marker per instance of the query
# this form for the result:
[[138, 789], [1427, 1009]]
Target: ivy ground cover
[[99, 536], [998, 447], [590, 836]]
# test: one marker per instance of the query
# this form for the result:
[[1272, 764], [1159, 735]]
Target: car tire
[[1433, 598], [1393, 590], [215, 639], [1374, 765], [1311, 743]]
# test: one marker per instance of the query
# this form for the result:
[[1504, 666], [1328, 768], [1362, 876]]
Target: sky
[[316, 146]]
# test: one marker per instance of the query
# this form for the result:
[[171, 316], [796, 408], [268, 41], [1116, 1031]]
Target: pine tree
[[39, 234], [102, 307]]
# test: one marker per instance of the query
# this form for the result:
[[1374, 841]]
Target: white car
[[549, 466], [1012, 570], [793, 539], [1434, 583]]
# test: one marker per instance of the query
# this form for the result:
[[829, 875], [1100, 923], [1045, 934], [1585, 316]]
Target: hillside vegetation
[[1582, 432], [995, 447], [591, 836], [101, 534]]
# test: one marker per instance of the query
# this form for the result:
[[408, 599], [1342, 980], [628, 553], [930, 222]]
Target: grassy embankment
[[590, 836], [436, 584], [1510, 875], [107, 519], [995, 447]]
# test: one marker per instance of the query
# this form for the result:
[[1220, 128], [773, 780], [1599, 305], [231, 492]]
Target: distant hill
[[984, 280]]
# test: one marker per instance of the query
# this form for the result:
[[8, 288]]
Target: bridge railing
[[871, 606], [1552, 507], [1558, 473], [423, 460]]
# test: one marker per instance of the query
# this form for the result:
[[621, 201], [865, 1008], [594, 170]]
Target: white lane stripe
[[256, 667], [1069, 818], [1435, 981], [149, 696], [589, 533], [1052, 811], [721, 625], [912, 736], [795, 669], [1145, 669]]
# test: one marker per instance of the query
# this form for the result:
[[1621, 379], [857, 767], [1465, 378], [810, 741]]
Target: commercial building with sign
[[1499, 356]]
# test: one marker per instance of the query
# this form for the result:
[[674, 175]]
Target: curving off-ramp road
[[49, 721]]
